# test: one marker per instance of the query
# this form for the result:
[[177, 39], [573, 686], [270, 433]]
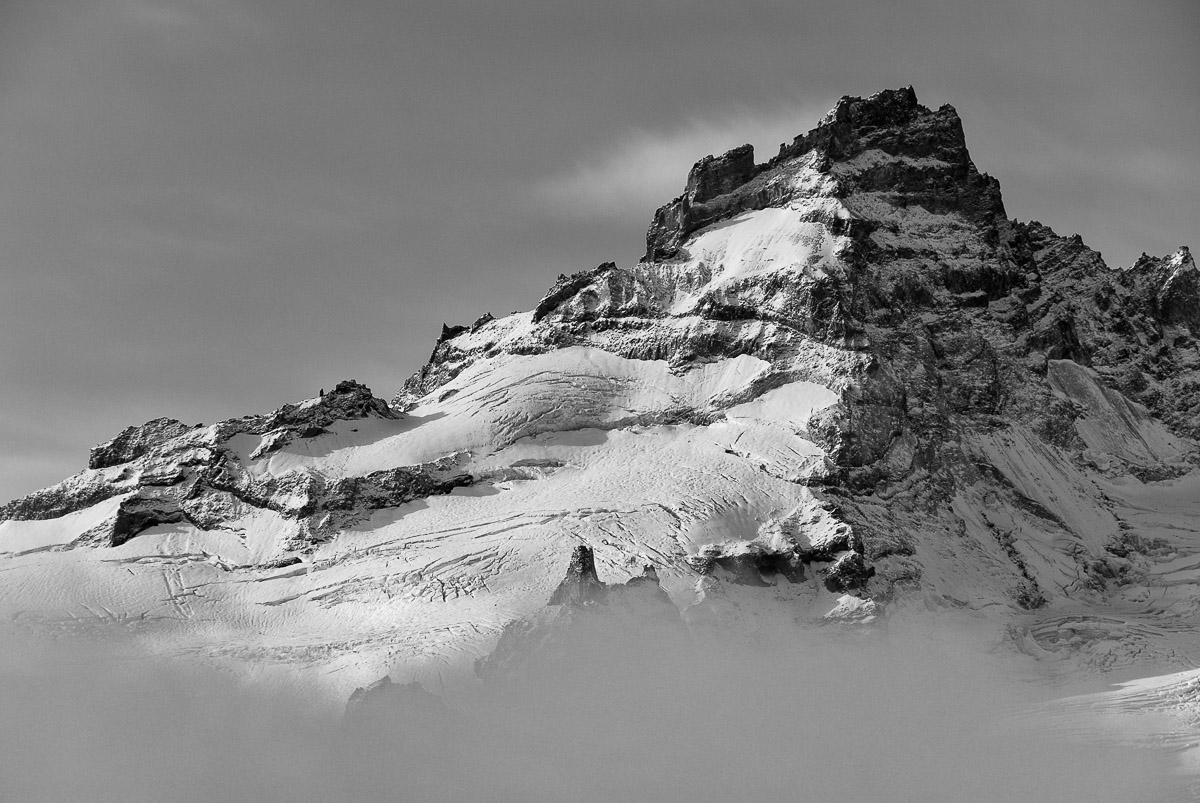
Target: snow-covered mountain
[[841, 386]]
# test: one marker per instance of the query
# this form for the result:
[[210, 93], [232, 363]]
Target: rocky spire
[[581, 586]]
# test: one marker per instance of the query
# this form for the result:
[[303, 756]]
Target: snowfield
[[568, 452]]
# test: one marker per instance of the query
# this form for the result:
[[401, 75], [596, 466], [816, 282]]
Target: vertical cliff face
[[839, 380]]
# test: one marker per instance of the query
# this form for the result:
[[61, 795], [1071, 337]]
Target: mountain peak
[[887, 142], [891, 120], [888, 107]]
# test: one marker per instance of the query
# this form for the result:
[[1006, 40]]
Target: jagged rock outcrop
[[347, 401], [581, 586], [77, 493], [133, 442], [138, 513], [887, 143], [170, 473], [585, 621]]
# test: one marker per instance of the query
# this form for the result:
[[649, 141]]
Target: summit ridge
[[887, 141]]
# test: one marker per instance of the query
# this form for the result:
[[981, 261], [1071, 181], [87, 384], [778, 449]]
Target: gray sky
[[212, 207]]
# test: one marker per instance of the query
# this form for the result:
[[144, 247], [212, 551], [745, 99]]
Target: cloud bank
[[819, 717]]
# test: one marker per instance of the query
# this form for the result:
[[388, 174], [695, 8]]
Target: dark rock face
[[855, 124], [59, 500], [1178, 298], [720, 175], [133, 442], [319, 507], [567, 287], [838, 560], [581, 586], [750, 566], [139, 513], [352, 498], [451, 332], [848, 573], [348, 400]]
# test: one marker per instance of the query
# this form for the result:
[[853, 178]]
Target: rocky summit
[[841, 387]]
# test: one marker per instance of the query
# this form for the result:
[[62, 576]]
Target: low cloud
[[177, 17], [805, 716]]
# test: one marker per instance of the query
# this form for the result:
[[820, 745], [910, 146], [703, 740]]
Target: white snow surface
[[569, 447], [22, 537], [1112, 425], [773, 240]]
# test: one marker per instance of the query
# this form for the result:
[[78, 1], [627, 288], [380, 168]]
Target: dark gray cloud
[[210, 208]]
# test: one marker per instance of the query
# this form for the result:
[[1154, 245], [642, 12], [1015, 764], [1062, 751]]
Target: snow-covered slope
[[841, 385]]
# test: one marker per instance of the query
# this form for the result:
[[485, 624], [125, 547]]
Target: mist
[[809, 715]]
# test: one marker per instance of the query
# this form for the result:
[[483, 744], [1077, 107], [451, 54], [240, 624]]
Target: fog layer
[[818, 716]]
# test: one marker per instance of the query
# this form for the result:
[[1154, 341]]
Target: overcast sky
[[210, 208]]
